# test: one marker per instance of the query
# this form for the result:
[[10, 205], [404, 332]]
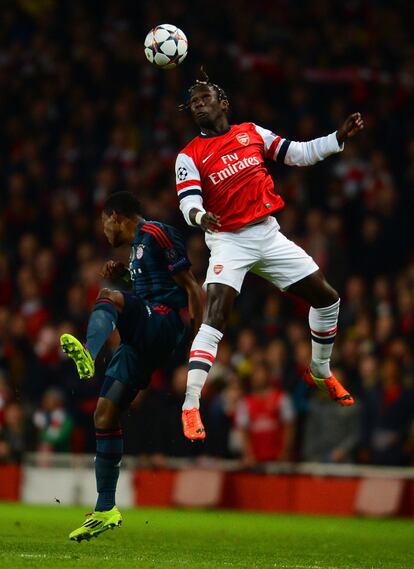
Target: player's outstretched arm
[[352, 124], [311, 152], [209, 222], [186, 280]]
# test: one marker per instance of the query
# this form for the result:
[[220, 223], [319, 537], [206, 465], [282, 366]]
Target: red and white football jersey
[[226, 173]]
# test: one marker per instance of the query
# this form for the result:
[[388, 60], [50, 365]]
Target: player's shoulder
[[246, 132], [163, 233], [245, 126], [191, 146]]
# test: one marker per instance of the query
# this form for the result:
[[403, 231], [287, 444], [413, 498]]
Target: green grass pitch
[[32, 536]]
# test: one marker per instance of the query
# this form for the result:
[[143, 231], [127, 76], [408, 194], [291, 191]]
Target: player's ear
[[225, 105]]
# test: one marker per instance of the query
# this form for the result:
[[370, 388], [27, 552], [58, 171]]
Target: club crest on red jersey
[[218, 269], [243, 138]]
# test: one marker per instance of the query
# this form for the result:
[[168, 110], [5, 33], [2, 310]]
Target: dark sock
[[101, 324], [109, 449]]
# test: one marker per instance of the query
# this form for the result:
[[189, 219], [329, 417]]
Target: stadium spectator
[[14, 434], [265, 418], [53, 423], [330, 434]]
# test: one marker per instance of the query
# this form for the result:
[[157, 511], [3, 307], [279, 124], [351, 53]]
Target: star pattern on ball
[[182, 173]]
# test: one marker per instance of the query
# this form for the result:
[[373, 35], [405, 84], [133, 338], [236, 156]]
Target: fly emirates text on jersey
[[233, 165]]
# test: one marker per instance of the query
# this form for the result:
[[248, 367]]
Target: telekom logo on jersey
[[233, 166]]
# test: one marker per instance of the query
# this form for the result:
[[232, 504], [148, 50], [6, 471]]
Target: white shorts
[[261, 249]]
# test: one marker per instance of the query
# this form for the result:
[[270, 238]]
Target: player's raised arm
[[295, 153]]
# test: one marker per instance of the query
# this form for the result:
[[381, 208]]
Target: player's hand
[[210, 222], [113, 270], [353, 124]]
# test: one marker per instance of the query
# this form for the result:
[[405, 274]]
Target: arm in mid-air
[[186, 280], [293, 153], [308, 153]]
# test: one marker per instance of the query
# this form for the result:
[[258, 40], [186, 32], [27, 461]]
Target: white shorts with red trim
[[261, 249]]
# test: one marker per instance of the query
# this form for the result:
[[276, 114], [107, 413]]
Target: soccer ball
[[166, 46]]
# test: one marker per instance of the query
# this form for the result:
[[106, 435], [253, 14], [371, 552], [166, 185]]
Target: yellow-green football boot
[[79, 354], [96, 523]]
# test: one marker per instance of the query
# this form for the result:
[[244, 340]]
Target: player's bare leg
[[323, 319], [220, 300]]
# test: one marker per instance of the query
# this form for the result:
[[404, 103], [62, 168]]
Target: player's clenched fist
[[113, 270], [353, 124]]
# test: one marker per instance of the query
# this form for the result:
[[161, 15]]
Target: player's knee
[[103, 418], [332, 295], [220, 300], [105, 293], [114, 295], [216, 316], [100, 419]]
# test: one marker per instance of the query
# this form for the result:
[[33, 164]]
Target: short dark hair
[[124, 203], [204, 82]]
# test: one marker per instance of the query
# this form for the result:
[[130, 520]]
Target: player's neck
[[221, 125], [131, 230]]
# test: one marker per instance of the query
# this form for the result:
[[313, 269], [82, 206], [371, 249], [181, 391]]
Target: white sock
[[202, 355], [323, 324]]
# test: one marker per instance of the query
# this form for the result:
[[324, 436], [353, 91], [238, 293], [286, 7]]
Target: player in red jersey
[[225, 189]]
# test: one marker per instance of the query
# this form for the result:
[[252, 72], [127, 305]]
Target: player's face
[[206, 108], [112, 229]]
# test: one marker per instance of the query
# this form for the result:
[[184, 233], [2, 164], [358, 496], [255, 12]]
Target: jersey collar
[[202, 135], [139, 226]]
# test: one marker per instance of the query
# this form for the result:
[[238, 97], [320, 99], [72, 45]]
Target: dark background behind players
[[83, 114]]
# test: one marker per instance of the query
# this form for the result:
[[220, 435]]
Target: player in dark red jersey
[[225, 188]]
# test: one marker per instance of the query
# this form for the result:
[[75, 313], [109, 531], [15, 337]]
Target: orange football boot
[[192, 425], [331, 386]]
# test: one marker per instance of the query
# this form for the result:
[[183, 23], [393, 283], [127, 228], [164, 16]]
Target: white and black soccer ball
[[166, 46]]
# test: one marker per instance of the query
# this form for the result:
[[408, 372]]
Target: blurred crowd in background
[[84, 114]]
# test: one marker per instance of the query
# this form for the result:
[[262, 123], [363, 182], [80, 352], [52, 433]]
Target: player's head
[[207, 102], [121, 213]]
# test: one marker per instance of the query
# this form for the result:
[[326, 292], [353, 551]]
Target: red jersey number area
[[234, 181]]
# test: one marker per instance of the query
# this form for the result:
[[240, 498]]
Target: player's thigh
[[284, 262], [129, 367], [115, 396], [231, 257], [132, 321]]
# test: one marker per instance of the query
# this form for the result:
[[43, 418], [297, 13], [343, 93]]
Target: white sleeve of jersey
[[308, 153], [274, 145], [188, 185]]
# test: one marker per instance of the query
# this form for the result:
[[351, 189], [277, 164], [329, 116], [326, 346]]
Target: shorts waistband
[[257, 221]]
